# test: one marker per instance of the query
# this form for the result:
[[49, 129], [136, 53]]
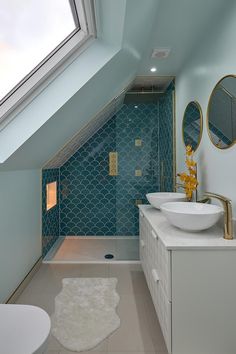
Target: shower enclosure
[[101, 185]]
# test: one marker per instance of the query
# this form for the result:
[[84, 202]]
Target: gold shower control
[[138, 173], [138, 142], [138, 202], [113, 163]]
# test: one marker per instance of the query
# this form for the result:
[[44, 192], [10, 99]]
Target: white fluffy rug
[[85, 312]]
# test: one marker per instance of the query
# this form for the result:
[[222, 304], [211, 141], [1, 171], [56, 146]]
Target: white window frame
[[52, 65]]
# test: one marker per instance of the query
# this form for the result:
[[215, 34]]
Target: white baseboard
[[16, 293]]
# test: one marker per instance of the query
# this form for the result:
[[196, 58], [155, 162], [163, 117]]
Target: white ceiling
[[180, 25]]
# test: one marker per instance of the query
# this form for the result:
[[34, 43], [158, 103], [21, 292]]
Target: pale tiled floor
[[139, 332]]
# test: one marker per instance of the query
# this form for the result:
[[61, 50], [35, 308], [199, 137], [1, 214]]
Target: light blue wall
[[20, 227], [213, 58]]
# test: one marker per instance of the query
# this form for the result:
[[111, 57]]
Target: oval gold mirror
[[221, 113], [192, 125]]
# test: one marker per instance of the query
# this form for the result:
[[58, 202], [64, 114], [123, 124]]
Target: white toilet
[[24, 329]]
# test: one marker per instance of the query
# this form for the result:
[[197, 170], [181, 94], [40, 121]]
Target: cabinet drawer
[[164, 315], [153, 252], [148, 241], [142, 239], [152, 247], [161, 303], [159, 258], [156, 263], [164, 268]]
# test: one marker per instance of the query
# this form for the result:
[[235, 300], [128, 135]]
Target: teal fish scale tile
[[88, 206], [94, 203], [143, 123], [99, 204]]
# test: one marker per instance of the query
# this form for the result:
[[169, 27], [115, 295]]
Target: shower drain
[[109, 256]]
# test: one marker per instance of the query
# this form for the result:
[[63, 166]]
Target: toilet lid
[[23, 328]]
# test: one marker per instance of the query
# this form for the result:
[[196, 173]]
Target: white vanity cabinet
[[192, 281], [155, 261]]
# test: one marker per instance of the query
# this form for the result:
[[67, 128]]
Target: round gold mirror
[[221, 113], [192, 125]]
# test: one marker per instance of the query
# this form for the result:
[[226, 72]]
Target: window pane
[[29, 31]]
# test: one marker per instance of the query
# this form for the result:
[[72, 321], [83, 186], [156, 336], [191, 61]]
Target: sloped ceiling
[[75, 96], [139, 84], [107, 112], [128, 30]]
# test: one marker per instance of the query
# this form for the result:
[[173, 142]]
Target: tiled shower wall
[[94, 203], [88, 193], [135, 123]]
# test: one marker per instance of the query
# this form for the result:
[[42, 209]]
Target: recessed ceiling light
[[153, 69]]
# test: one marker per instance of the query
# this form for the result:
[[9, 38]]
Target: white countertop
[[176, 239]]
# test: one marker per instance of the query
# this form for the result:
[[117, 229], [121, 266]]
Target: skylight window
[[32, 36]]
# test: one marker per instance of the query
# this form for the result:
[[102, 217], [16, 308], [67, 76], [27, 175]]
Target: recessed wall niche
[[51, 193]]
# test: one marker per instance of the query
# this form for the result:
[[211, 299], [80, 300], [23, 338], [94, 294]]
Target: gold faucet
[[228, 219]]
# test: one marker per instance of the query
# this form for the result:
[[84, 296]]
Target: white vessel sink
[[157, 199], [192, 216]]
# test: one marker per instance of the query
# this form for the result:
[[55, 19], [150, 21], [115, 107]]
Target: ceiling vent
[[160, 53]]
